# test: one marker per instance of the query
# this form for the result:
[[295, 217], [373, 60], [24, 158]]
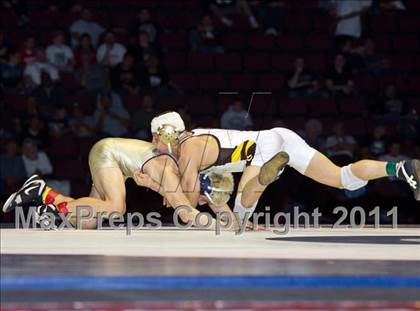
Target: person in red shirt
[[28, 51]]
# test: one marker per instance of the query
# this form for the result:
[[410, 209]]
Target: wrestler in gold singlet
[[128, 155]]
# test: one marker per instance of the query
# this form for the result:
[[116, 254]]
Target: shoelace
[[409, 178]]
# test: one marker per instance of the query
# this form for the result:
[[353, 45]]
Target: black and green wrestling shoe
[[271, 169], [409, 171]]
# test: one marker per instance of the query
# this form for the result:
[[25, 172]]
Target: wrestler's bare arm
[[189, 166]]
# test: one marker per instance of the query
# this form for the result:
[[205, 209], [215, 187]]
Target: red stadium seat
[[257, 62], [283, 62], [271, 82], [406, 43], [243, 82], [58, 150], [261, 105], [383, 24], [185, 81], [352, 106], [174, 40], [409, 23], [42, 20], [133, 102], [228, 62], [200, 62], [212, 82], [318, 42], [260, 42], [289, 42], [323, 23], [322, 106], [287, 107], [316, 61], [356, 126], [201, 105], [69, 168], [382, 42], [401, 62], [16, 102], [175, 60], [294, 123], [234, 41], [298, 23]]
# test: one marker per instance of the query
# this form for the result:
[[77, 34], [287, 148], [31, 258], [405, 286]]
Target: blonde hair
[[222, 184]]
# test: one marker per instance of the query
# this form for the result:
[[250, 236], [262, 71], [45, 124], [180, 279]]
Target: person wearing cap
[[261, 156]]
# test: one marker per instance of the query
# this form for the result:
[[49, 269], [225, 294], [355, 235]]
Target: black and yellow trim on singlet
[[245, 151]]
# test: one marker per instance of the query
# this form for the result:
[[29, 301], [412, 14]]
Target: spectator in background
[[340, 144], [110, 53], [111, 118], [20, 9], [313, 132], [12, 169], [143, 49], [374, 63], [394, 153], [5, 48], [154, 76], [41, 64], [49, 94], [58, 124], [348, 15], [81, 124], [125, 77], [86, 25], [140, 122], [301, 82], [271, 14], [59, 54], [37, 131], [88, 73], [236, 117], [391, 103], [339, 79], [29, 51], [378, 141], [205, 39], [223, 9], [11, 71], [27, 86], [37, 162], [145, 23]]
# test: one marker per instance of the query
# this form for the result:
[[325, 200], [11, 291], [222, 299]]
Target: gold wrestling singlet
[[128, 155]]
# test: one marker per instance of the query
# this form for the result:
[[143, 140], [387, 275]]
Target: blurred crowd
[[54, 70]]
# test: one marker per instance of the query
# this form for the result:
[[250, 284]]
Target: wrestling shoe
[[409, 171], [47, 216], [271, 169], [31, 192]]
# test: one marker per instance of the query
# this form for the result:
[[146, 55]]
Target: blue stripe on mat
[[168, 282]]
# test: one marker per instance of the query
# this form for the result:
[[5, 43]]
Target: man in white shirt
[[236, 118], [34, 69], [110, 53], [348, 14], [85, 25], [59, 54], [36, 162]]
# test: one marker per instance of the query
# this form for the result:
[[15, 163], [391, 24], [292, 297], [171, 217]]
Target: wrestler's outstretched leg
[[357, 175]]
